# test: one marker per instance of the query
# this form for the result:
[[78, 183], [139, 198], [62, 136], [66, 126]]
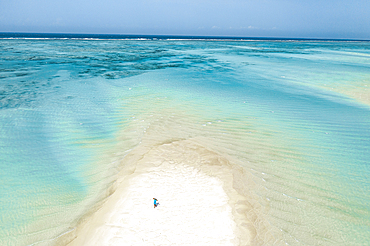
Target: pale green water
[[70, 110]]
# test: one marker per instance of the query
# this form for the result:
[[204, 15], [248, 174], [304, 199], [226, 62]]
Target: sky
[[342, 19]]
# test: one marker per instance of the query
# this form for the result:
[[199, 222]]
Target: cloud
[[244, 28]]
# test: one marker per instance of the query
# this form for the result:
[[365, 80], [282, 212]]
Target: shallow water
[[294, 114]]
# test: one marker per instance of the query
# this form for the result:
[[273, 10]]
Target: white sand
[[194, 208]]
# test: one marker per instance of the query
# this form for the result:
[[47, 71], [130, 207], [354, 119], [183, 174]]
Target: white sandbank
[[194, 207]]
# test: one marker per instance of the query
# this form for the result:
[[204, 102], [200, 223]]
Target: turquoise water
[[294, 115]]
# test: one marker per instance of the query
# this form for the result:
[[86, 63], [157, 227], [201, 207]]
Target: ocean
[[293, 115]]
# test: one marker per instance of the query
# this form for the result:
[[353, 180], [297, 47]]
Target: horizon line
[[169, 36]]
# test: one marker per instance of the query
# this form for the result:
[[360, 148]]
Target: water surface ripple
[[294, 116]]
